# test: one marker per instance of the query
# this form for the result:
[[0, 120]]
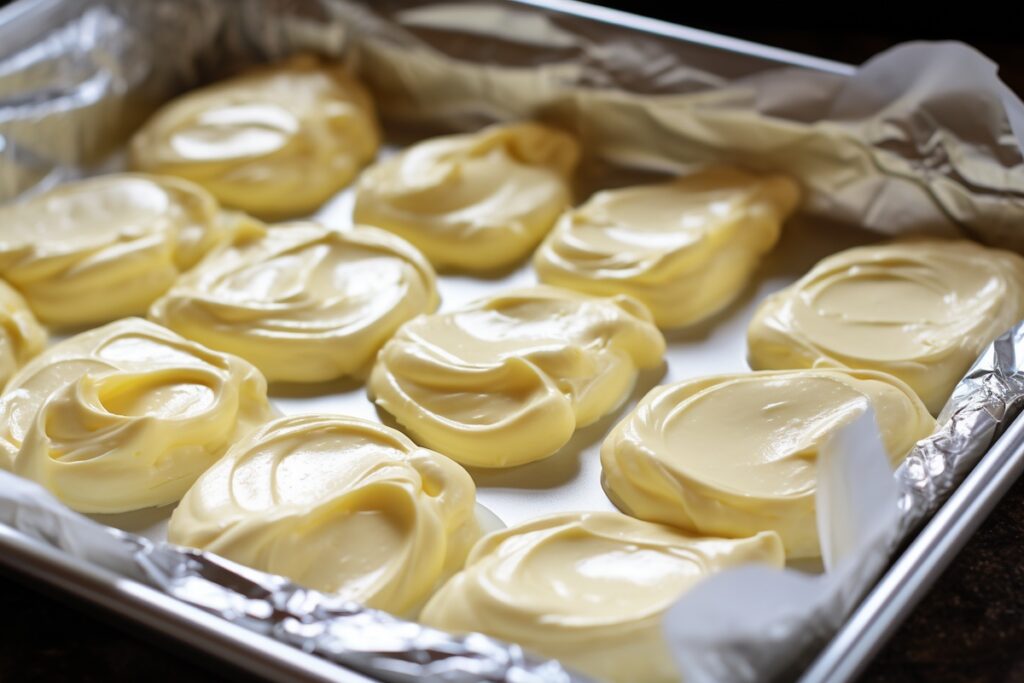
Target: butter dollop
[[337, 504], [126, 416], [921, 310], [588, 588], [275, 142], [508, 379], [684, 248], [21, 335], [104, 248], [302, 302], [472, 202], [732, 455]]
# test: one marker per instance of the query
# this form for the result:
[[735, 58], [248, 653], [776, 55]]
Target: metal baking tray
[[573, 483]]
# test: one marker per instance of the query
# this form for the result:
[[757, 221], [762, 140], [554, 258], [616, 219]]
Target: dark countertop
[[970, 626]]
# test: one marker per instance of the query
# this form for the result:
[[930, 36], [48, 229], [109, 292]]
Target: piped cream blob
[[685, 248], [472, 202], [95, 250], [21, 335], [588, 588], [275, 142], [337, 504], [126, 416], [302, 302], [508, 379], [921, 310], [732, 455]]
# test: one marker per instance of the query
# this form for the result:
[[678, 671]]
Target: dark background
[[970, 627]]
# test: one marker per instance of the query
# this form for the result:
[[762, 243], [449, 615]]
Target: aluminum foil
[[923, 137]]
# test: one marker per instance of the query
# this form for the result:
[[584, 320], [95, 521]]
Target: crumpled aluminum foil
[[922, 137]]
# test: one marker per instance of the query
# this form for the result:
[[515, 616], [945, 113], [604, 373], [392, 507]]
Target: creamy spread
[[472, 202], [302, 302], [104, 248], [337, 504], [126, 416], [275, 142], [21, 335], [507, 380], [732, 455], [684, 248], [921, 310], [588, 588]]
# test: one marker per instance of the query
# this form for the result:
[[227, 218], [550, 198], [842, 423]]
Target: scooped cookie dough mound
[[275, 142], [507, 380], [732, 455], [588, 588], [302, 302], [685, 248], [338, 504], [126, 416], [21, 335], [473, 202]]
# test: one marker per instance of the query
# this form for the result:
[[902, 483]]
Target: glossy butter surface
[[126, 416], [302, 302], [338, 504], [508, 379], [472, 202], [104, 248], [275, 142], [732, 455], [684, 248], [588, 588], [921, 310], [21, 335]]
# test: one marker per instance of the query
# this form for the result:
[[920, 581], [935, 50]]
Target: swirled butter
[[302, 302], [275, 142], [732, 455], [921, 310], [508, 379], [95, 250], [338, 504], [21, 335], [588, 588], [472, 202], [684, 248], [126, 416]]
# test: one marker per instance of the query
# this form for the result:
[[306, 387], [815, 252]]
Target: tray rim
[[883, 609]]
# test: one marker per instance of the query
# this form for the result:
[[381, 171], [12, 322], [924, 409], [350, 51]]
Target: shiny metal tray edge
[[843, 658]]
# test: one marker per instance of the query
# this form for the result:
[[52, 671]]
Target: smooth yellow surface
[[100, 249], [21, 335], [304, 303], [472, 202], [508, 379], [126, 416], [338, 504], [275, 142], [684, 248], [921, 310], [589, 588], [732, 455]]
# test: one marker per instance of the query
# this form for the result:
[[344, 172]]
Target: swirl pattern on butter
[[732, 455], [21, 335], [126, 416], [472, 202], [302, 302], [338, 504], [588, 588], [95, 250], [685, 248], [275, 142], [921, 310], [508, 379]]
